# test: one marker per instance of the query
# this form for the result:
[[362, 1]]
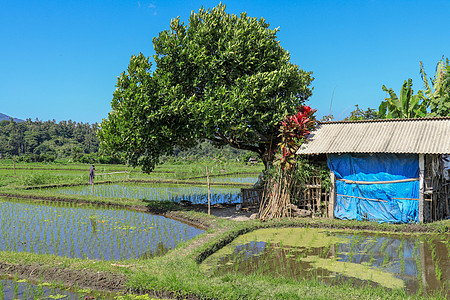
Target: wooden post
[[209, 193], [421, 187], [446, 196], [332, 195]]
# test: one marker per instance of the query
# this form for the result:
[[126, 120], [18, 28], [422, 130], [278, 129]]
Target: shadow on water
[[418, 264]]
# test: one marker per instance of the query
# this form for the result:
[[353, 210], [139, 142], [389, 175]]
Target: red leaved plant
[[293, 131]]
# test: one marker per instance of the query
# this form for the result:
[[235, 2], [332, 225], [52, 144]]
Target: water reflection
[[21, 289], [418, 264], [87, 232]]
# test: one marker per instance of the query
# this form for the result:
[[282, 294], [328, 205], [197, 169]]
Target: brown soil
[[99, 281]]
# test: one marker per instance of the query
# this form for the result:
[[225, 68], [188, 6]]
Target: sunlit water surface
[[88, 232], [418, 264]]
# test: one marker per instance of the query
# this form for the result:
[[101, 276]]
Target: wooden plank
[[332, 195]]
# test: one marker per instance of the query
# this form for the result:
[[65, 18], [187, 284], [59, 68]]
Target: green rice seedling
[[400, 255], [386, 259], [350, 255], [438, 271], [15, 290]]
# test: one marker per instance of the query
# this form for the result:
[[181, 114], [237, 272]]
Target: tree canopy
[[47, 141], [222, 77]]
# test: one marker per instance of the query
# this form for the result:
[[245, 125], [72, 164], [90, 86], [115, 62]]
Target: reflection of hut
[[394, 170]]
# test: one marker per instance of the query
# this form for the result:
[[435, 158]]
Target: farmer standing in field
[[91, 175]]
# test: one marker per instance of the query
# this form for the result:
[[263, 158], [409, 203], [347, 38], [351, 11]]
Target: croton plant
[[293, 130]]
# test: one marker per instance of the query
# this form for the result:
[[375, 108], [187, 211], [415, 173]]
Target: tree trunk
[[267, 159]]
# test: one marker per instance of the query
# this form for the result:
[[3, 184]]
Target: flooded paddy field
[[22, 289], [155, 191], [246, 179], [87, 231], [419, 264]]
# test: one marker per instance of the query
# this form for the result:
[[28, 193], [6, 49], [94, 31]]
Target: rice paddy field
[[197, 194], [88, 232], [105, 236], [416, 263], [21, 289]]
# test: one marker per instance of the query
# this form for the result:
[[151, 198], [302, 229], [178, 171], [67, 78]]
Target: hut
[[391, 170]]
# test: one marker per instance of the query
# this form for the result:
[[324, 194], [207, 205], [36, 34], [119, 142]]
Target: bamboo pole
[[209, 191], [332, 196]]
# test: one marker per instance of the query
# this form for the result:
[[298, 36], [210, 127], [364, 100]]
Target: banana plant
[[438, 94], [407, 106]]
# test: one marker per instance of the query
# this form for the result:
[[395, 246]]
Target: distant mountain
[[5, 117]]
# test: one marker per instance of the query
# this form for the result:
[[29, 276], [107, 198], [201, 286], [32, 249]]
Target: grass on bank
[[178, 274]]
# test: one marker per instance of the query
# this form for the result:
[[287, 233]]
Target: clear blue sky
[[60, 59]]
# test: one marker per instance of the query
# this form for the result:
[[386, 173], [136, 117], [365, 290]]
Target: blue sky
[[60, 59]]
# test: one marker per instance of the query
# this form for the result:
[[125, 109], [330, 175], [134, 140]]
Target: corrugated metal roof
[[422, 136]]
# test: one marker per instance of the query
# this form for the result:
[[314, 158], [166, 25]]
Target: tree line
[[47, 141]]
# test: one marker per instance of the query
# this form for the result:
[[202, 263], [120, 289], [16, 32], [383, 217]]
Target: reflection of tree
[[269, 260], [93, 224], [160, 250], [409, 259], [434, 256]]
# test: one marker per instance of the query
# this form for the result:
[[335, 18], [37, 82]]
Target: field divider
[[225, 174], [168, 181]]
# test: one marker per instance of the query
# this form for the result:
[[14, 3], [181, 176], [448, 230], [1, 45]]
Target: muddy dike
[[98, 281]]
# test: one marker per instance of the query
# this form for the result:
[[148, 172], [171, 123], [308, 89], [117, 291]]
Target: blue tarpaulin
[[377, 201]]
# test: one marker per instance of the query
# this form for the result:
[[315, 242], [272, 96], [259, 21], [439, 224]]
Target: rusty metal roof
[[421, 136]]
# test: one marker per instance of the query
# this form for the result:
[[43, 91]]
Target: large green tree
[[222, 77]]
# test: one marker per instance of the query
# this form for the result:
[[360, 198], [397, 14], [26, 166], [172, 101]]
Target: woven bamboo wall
[[251, 197], [437, 190], [312, 197]]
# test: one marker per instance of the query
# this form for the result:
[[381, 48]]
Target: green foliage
[[305, 169], [293, 130], [37, 141], [438, 94], [205, 150], [34, 179], [360, 114], [407, 106], [223, 77]]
